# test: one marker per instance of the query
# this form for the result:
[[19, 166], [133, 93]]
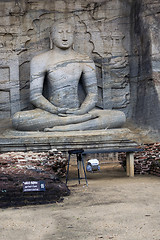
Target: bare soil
[[113, 206]]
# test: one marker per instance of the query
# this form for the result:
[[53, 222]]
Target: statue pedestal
[[12, 140]]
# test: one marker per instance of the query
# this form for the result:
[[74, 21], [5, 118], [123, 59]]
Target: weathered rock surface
[[102, 32], [145, 62], [122, 37]]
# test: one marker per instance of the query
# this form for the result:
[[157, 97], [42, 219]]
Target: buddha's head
[[62, 35]]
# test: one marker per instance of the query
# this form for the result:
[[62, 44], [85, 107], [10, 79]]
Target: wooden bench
[[81, 152]]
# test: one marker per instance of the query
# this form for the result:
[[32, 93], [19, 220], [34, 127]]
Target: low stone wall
[[18, 167], [147, 161]]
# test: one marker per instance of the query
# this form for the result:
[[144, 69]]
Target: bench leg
[[78, 160], [130, 164], [67, 168], [84, 170]]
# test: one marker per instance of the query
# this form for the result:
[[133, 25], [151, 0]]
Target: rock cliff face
[[145, 62], [121, 36]]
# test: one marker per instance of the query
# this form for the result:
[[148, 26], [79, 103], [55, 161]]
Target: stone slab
[[9, 85], [12, 140]]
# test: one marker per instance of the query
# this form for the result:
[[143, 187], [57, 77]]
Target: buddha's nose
[[64, 36]]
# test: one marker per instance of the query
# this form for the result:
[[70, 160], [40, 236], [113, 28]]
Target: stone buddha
[[60, 70]]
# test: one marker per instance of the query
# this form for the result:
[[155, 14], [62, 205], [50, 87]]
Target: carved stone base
[[12, 140]]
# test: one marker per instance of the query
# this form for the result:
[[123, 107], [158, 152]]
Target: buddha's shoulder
[[42, 57]]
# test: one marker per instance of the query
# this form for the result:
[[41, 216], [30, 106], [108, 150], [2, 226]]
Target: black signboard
[[33, 186]]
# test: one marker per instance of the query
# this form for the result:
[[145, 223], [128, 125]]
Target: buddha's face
[[62, 36]]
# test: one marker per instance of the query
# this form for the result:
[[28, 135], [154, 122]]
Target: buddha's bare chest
[[64, 74]]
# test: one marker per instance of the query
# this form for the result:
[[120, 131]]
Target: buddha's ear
[[50, 41]]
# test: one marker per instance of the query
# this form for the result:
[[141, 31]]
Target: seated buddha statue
[[61, 69]]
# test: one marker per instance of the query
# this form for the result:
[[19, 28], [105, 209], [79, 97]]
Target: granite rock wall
[[145, 62], [121, 36], [102, 32]]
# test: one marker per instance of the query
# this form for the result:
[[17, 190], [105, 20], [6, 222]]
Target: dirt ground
[[113, 206]]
